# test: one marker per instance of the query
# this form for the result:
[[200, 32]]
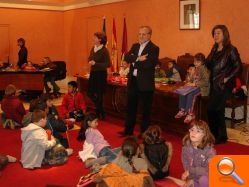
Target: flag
[[124, 42], [104, 27], [114, 54]]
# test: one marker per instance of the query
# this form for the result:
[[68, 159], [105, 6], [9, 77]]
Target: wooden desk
[[30, 81], [165, 104]]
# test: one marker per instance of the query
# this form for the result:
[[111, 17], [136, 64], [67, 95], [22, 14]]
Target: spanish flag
[[124, 42], [114, 54]]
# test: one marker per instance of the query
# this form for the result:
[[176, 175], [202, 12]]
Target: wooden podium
[[165, 104]]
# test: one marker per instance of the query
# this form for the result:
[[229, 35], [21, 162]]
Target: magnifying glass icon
[[226, 167]]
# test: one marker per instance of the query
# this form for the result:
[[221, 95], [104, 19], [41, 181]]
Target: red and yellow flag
[[124, 41], [114, 53]]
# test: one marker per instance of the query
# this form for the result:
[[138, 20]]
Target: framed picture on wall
[[189, 14]]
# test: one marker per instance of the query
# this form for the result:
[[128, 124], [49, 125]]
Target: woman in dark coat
[[99, 60], [22, 54], [224, 64]]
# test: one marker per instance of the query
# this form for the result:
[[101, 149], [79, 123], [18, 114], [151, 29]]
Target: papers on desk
[[45, 69]]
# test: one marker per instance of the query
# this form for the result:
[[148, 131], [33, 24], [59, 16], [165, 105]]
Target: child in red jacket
[[12, 107], [73, 103]]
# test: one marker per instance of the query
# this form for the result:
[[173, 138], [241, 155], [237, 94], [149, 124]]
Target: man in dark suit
[[143, 57]]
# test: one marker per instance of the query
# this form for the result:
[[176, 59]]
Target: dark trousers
[[97, 98], [134, 97], [216, 113]]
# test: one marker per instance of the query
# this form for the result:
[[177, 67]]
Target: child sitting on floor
[[91, 135], [38, 146], [173, 72], [54, 122], [12, 107], [157, 152], [73, 103], [197, 151], [129, 159], [127, 169]]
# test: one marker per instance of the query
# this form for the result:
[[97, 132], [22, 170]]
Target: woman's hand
[[189, 183], [185, 175], [92, 62]]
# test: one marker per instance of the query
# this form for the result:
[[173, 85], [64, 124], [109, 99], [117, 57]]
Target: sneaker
[[69, 151], [180, 114], [11, 158], [189, 118]]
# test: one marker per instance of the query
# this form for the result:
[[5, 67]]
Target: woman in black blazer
[[224, 64], [99, 60]]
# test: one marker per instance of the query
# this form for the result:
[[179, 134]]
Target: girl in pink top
[[92, 135]]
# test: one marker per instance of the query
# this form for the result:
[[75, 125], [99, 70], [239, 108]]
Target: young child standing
[[197, 151], [93, 136], [202, 74], [73, 103], [157, 152], [12, 107]]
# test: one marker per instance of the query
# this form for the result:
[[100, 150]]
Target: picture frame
[[189, 14]]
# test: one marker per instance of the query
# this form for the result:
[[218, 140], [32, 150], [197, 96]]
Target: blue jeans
[[108, 153], [186, 102]]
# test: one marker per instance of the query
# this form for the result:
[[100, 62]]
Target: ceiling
[[53, 4], [47, 2]]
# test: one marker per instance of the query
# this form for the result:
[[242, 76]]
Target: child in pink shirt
[[92, 135]]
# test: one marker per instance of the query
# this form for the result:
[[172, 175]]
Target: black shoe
[[220, 141]]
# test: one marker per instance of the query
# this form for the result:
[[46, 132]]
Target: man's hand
[[142, 58]]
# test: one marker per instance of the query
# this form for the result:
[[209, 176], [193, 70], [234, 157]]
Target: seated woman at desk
[[173, 71], [49, 75], [124, 69]]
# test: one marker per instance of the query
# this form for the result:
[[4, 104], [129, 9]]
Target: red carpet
[[68, 174]]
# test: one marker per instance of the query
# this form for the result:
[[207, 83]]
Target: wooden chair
[[163, 62], [234, 102]]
